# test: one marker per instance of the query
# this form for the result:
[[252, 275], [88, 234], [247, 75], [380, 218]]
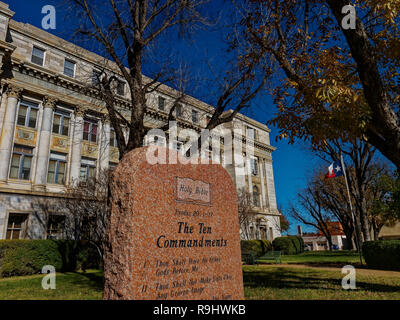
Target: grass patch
[[321, 258], [274, 282], [69, 286]]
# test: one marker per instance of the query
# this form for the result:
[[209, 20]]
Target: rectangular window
[[16, 226], [90, 131], [113, 139], [61, 123], [251, 133], [37, 56], [57, 169], [55, 227], [121, 88], [161, 103], [88, 170], [21, 163], [96, 75], [254, 166], [195, 116], [178, 110], [69, 68], [27, 114]]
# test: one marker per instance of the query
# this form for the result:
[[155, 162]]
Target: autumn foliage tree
[[332, 80]]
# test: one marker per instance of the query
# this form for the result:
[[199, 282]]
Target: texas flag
[[335, 170]]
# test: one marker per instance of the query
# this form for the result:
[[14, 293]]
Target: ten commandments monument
[[174, 232]]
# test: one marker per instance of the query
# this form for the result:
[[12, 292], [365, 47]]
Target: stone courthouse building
[[54, 132]]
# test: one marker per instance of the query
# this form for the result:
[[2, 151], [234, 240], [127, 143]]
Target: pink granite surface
[[174, 232]]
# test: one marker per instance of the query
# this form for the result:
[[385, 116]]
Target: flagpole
[[351, 208]]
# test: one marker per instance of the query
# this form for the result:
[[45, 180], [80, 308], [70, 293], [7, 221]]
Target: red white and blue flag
[[335, 170]]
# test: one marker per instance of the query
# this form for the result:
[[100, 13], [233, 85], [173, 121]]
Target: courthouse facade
[[54, 132]]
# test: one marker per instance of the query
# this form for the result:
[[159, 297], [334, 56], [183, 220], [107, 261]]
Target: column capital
[[49, 102], [106, 119], [80, 112], [14, 91]]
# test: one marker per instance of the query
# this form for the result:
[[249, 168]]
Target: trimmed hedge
[[382, 254], [288, 245], [26, 257], [257, 247]]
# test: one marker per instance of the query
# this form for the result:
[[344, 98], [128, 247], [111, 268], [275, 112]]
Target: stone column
[[104, 154], [7, 134], [270, 184], [263, 194], [76, 148], [44, 143], [249, 177]]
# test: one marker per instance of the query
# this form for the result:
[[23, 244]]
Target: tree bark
[[384, 128]]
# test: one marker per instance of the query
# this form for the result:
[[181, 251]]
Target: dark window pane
[[179, 110], [38, 56], [52, 171], [23, 110], [26, 168], [69, 68], [121, 88], [65, 127], [161, 103], [32, 118], [61, 173], [14, 173], [96, 78], [56, 123], [194, 116], [86, 129], [94, 133]]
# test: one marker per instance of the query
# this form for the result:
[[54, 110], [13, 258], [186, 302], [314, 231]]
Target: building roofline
[[96, 59]]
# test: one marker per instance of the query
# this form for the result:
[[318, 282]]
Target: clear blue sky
[[292, 163]]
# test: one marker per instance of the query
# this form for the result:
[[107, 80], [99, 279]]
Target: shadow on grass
[[92, 280], [282, 278]]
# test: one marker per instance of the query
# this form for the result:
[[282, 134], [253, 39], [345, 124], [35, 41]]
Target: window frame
[[63, 115], [163, 100], [90, 133], [96, 71], [85, 164], [29, 106], [57, 168], [74, 69], [21, 163], [114, 143], [59, 231], [44, 55], [119, 83], [251, 129], [195, 116], [22, 230], [254, 172], [178, 110]]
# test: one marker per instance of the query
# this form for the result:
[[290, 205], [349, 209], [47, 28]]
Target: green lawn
[[311, 275], [322, 258], [69, 286], [301, 283]]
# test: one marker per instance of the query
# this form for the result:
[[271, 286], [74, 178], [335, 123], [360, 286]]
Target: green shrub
[[382, 254], [288, 245], [257, 247], [25, 257]]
